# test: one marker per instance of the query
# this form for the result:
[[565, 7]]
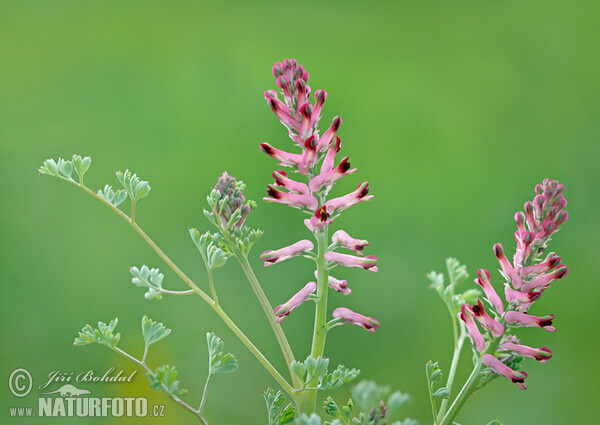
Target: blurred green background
[[452, 110]]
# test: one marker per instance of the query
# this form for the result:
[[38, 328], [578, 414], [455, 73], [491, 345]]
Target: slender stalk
[[212, 287], [286, 349], [459, 339], [241, 336], [431, 399], [308, 402], [175, 398], [463, 395]]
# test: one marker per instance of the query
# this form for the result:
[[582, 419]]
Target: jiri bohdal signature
[[91, 375]]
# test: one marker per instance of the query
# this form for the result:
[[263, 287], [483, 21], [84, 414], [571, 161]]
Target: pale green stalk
[[308, 402], [175, 398], [241, 336]]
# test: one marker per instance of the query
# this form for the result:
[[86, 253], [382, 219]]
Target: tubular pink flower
[[340, 286], [483, 280], [282, 112], [331, 176], [472, 328], [492, 326], [284, 158], [346, 201], [529, 321], [327, 137], [368, 263], [282, 254], [345, 241], [522, 299], [524, 241], [281, 179], [548, 264], [329, 160], [546, 279], [319, 220], [320, 96], [309, 156], [281, 311], [349, 316], [500, 368], [520, 219], [507, 269], [291, 199], [540, 354]]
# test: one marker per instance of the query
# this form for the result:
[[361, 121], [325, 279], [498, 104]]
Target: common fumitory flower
[[282, 254], [491, 325], [350, 316], [507, 269], [466, 316], [291, 199], [346, 241], [483, 280], [527, 276], [285, 309], [316, 160], [545, 280], [285, 158], [368, 263], [281, 179], [340, 286], [336, 205], [500, 368], [228, 186], [540, 354], [330, 177], [530, 321]]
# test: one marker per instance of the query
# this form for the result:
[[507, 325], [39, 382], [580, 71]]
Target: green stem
[[308, 403], [241, 336], [142, 363], [431, 398], [463, 395], [459, 339], [212, 287], [286, 349]]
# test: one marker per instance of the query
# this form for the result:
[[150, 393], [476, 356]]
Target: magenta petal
[[350, 316], [281, 311], [500, 368]]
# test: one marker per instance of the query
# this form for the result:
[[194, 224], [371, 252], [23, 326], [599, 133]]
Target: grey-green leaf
[[153, 331], [219, 362], [146, 277], [164, 378], [103, 335]]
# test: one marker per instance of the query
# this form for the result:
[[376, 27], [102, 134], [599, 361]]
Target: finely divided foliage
[[479, 315]]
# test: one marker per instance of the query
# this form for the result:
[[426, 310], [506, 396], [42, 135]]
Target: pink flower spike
[[349, 316], [539, 354], [368, 263], [472, 328], [492, 326], [291, 199], [346, 201], [284, 158], [330, 177], [329, 160], [327, 138], [545, 280], [281, 179], [507, 269], [285, 309], [345, 241], [529, 321], [483, 280], [282, 254], [500, 368]]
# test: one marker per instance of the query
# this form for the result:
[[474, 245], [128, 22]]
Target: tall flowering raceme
[[526, 277], [314, 162]]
